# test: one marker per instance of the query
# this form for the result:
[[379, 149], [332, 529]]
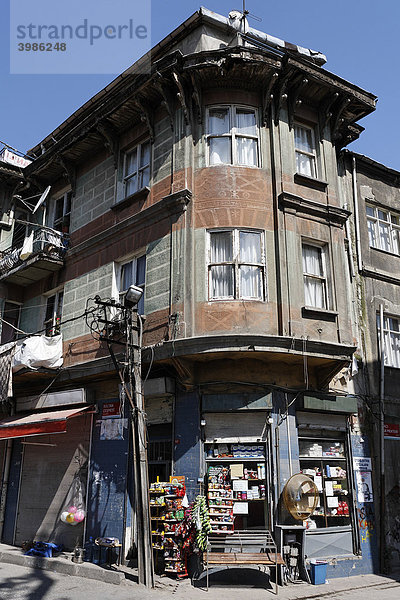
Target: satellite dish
[[42, 199], [300, 496]]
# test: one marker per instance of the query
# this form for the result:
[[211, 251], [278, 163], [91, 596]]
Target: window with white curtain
[[232, 136], [133, 273], [305, 150], [236, 264], [391, 339], [314, 274], [137, 168], [383, 229]]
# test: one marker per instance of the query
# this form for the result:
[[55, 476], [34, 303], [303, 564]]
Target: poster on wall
[[364, 486], [362, 463], [112, 429]]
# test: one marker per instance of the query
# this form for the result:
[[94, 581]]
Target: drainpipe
[[382, 440], [4, 486], [356, 215]]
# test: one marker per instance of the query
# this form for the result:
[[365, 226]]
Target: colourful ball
[[64, 516], [72, 509], [79, 516], [70, 518]]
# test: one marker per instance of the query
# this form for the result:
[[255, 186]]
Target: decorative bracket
[[338, 117], [181, 96], [325, 111], [70, 171], [167, 98], [110, 139], [293, 99], [197, 99], [281, 94], [267, 95], [146, 117]]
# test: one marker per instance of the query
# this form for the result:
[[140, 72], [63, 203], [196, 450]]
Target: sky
[[359, 38]]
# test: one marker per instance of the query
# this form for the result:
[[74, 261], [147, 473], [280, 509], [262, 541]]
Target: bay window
[[232, 136], [314, 275], [391, 337], [305, 150], [383, 229], [236, 264], [137, 168]]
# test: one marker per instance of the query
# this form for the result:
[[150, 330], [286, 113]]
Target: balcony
[[44, 256]]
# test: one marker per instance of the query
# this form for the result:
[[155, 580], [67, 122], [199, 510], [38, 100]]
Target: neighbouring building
[[211, 182]]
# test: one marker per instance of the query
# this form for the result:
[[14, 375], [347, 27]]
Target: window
[[305, 150], [391, 337], [62, 212], [314, 274], [53, 315], [232, 136], [133, 273], [236, 265], [11, 316], [137, 168], [383, 229]]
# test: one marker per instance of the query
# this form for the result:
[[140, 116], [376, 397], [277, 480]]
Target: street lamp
[[132, 296]]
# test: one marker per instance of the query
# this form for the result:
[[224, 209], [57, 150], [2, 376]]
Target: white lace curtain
[[314, 281]]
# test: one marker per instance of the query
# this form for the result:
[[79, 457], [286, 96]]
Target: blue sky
[[360, 40]]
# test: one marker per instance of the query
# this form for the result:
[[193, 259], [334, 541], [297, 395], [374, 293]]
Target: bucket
[[318, 571]]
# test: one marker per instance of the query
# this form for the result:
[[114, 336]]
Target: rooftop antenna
[[246, 13]]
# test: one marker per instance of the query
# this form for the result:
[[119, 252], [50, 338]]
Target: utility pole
[[101, 327]]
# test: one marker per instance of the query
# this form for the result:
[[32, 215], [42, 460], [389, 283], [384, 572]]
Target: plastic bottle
[[88, 550], [96, 554]]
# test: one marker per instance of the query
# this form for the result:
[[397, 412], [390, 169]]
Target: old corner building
[[269, 259]]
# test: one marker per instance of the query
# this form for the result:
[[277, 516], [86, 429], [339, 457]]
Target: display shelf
[[239, 460], [331, 458]]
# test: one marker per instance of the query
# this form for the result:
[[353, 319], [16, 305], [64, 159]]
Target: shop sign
[[361, 463], [364, 486], [391, 430], [111, 409]]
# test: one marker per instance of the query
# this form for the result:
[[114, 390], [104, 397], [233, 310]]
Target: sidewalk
[[224, 585]]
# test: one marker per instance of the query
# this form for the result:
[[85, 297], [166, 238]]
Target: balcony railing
[[47, 244]]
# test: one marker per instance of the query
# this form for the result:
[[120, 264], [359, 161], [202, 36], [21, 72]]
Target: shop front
[[48, 451]]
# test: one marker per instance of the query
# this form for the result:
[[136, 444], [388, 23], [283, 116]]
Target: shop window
[[137, 168], [391, 336], [10, 321], [52, 321], [324, 460], [314, 275], [236, 485], [383, 229], [236, 264], [62, 212], [232, 136], [133, 273], [305, 150]]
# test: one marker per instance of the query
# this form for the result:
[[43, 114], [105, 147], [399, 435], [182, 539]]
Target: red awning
[[39, 423]]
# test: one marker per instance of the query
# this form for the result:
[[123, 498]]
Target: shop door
[[49, 465]]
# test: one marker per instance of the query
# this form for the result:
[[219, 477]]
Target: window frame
[[119, 275], [324, 278], [52, 324], [393, 228], [63, 221], [388, 334], [313, 155], [236, 263], [233, 135], [139, 170]]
